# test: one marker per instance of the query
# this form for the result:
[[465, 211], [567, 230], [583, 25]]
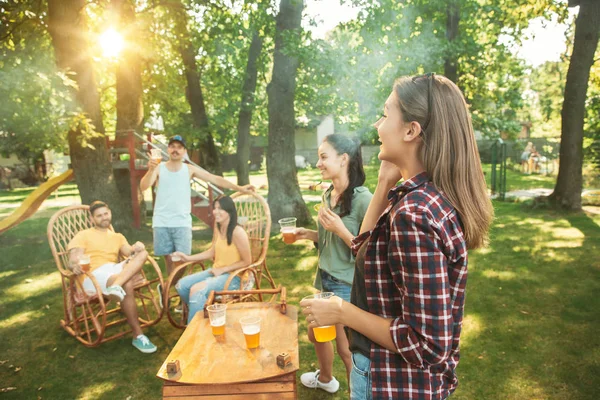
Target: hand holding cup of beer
[[324, 333], [84, 262], [288, 229], [217, 313], [251, 329], [156, 155], [178, 258]]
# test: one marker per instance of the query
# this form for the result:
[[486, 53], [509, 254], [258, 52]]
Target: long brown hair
[[356, 173], [228, 206], [449, 151]]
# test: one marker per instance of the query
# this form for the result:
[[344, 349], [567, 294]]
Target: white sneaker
[[311, 380]]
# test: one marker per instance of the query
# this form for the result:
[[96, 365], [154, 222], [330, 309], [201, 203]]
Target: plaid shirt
[[415, 274]]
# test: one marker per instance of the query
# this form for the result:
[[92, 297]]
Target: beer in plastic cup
[[156, 155], [217, 313], [84, 262], [251, 329], [323, 333], [176, 260], [288, 229]]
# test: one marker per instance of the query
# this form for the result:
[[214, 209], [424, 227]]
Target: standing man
[[104, 247], [172, 220]]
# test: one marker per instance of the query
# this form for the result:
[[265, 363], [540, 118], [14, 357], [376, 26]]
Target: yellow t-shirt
[[102, 246], [225, 254]]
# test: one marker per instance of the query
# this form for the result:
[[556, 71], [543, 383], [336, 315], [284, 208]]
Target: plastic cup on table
[[217, 313], [251, 330]]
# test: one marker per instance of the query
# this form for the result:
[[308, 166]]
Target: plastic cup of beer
[[156, 155], [176, 260], [251, 329], [323, 333], [84, 262], [318, 206], [217, 313], [288, 229]]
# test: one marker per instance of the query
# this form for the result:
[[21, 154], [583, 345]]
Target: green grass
[[530, 330]]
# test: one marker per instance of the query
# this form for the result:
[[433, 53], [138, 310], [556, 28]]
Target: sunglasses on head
[[430, 76]]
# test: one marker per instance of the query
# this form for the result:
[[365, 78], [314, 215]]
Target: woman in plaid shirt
[[405, 315]]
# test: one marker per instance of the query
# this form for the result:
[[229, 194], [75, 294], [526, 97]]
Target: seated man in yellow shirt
[[103, 246]]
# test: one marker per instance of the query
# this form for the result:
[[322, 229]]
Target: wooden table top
[[206, 359]]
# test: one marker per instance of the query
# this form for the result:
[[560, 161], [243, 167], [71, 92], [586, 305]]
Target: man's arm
[[74, 255], [151, 175], [218, 180], [126, 250]]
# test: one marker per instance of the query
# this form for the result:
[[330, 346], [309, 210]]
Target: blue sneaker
[[143, 344]]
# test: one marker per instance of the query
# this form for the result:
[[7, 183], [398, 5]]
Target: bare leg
[[122, 279], [324, 352], [129, 308], [169, 264], [170, 268], [129, 270]]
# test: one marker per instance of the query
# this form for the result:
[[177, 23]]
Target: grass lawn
[[530, 330]]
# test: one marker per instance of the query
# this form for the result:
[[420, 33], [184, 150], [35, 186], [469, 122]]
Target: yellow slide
[[34, 201]]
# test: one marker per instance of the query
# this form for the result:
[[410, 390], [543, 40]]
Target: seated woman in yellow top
[[230, 251]]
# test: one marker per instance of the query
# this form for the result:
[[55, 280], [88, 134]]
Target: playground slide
[[34, 201]]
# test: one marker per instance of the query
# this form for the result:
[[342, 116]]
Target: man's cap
[[178, 138]]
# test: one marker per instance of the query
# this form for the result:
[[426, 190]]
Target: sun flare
[[111, 42]]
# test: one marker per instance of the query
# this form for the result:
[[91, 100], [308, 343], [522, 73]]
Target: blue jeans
[[332, 284], [198, 300], [360, 378], [168, 240]]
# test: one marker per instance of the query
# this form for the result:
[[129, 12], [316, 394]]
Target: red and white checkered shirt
[[415, 273]]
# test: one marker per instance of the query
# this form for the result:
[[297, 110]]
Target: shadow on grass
[[534, 301], [530, 328]]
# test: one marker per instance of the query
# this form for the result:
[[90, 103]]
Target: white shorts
[[102, 274]]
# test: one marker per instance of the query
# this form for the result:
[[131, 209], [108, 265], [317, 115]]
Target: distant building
[[309, 135]]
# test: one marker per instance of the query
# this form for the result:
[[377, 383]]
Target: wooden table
[[223, 368]]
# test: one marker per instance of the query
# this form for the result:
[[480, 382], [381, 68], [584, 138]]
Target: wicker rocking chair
[[255, 217], [94, 319]]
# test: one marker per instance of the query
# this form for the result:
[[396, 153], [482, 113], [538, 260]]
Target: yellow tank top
[[225, 254]]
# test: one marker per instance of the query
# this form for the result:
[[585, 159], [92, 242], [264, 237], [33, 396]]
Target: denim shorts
[[332, 284], [168, 240], [360, 378]]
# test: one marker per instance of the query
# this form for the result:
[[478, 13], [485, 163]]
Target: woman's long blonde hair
[[449, 151]]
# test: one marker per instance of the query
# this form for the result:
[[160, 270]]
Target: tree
[[130, 108], [567, 192], [452, 21], [285, 198], [246, 108], [209, 157], [87, 143], [35, 96]]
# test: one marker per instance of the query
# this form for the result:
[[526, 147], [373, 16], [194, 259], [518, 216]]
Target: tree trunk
[[92, 166], [130, 108], [246, 108], [209, 156], [567, 193], [285, 199], [451, 61]]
